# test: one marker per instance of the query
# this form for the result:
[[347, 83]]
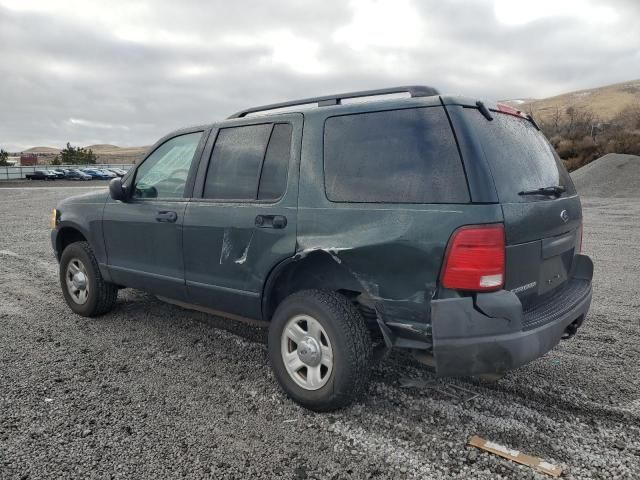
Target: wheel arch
[[317, 269], [69, 233]]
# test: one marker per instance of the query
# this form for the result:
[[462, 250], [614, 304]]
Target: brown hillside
[[104, 153], [605, 102], [42, 150], [102, 147]]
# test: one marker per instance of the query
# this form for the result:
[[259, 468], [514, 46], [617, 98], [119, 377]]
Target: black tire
[[350, 341], [101, 296]]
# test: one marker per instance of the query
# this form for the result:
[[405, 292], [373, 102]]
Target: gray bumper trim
[[469, 342]]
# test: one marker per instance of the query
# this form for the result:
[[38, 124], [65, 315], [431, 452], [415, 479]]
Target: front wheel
[[320, 349], [83, 287]]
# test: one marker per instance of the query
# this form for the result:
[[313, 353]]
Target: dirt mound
[[614, 175]]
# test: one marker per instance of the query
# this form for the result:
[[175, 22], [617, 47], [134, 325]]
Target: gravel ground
[[154, 391]]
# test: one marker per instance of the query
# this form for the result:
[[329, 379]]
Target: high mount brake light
[[509, 110], [474, 259], [501, 107]]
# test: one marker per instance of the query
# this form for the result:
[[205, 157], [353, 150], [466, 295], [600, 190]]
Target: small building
[[28, 159]]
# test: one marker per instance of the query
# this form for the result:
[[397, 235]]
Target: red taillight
[[474, 259]]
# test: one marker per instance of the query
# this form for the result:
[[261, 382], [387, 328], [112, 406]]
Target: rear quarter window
[[519, 156], [394, 156]]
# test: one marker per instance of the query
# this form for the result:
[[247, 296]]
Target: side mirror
[[116, 189]]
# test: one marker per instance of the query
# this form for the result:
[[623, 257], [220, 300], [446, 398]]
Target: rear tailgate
[[543, 232]]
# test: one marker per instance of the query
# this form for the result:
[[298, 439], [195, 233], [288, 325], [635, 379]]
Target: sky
[[127, 72]]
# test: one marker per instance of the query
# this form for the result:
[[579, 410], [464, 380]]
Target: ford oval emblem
[[564, 216]]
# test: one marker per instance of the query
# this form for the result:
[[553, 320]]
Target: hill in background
[[100, 147], [55, 151], [606, 103], [585, 125], [104, 153]]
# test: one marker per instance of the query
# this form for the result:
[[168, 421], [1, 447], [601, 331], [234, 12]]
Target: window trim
[[193, 167], [412, 107], [264, 159], [248, 201]]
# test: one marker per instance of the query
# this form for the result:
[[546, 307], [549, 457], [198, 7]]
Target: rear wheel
[[83, 287], [320, 349]]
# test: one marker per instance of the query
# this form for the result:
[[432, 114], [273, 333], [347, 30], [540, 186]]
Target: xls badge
[[524, 287]]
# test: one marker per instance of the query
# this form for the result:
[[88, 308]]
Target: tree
[[579, 122], [629, 117], [4, 158], [551, 124], [77, 156], [56, 161]]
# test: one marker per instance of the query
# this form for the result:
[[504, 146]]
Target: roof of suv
[[351, 102], [346, 103], [337, 99]]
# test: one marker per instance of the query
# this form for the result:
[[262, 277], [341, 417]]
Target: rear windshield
[[519, 155], [393, 156]]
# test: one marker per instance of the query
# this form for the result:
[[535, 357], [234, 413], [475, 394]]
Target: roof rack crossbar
[[327, 100]]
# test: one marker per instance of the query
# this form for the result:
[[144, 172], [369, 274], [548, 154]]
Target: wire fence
[[17, 173]]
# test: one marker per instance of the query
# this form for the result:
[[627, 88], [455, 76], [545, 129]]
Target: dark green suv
[[395, 218]]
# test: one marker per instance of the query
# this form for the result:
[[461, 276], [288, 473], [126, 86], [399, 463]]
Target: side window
[[394, 156], [164, 173], [249, 162]]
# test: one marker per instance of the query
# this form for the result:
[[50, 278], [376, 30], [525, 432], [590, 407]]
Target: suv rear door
[[543, 232], [243, 217]]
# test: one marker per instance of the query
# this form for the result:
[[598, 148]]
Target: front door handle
[[271, 221], [166, 216]]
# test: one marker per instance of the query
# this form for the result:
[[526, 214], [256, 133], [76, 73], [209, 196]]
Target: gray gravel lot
[[154, 391], [54, 184]]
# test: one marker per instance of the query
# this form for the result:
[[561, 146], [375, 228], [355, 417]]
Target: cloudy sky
[[127, 72]]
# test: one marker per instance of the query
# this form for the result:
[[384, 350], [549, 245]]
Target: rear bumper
[[492, 334]]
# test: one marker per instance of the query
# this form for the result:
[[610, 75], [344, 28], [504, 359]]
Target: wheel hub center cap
[[309, 351], [80, 281]]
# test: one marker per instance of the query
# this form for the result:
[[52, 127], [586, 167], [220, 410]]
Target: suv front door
[[143, 236], [242, 219]]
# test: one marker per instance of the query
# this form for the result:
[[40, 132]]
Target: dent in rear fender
[[395, 252]]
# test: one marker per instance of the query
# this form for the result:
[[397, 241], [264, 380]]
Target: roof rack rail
[[328, 100]]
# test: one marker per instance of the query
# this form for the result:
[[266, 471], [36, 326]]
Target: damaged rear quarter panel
[[394, 250]]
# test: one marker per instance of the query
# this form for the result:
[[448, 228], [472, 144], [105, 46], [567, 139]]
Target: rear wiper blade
[[554, 190]]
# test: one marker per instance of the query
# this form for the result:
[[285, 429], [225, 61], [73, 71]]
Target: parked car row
[[76, 174]]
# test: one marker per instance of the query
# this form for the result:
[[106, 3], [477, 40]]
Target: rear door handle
[[271, 221], [166, 216]]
